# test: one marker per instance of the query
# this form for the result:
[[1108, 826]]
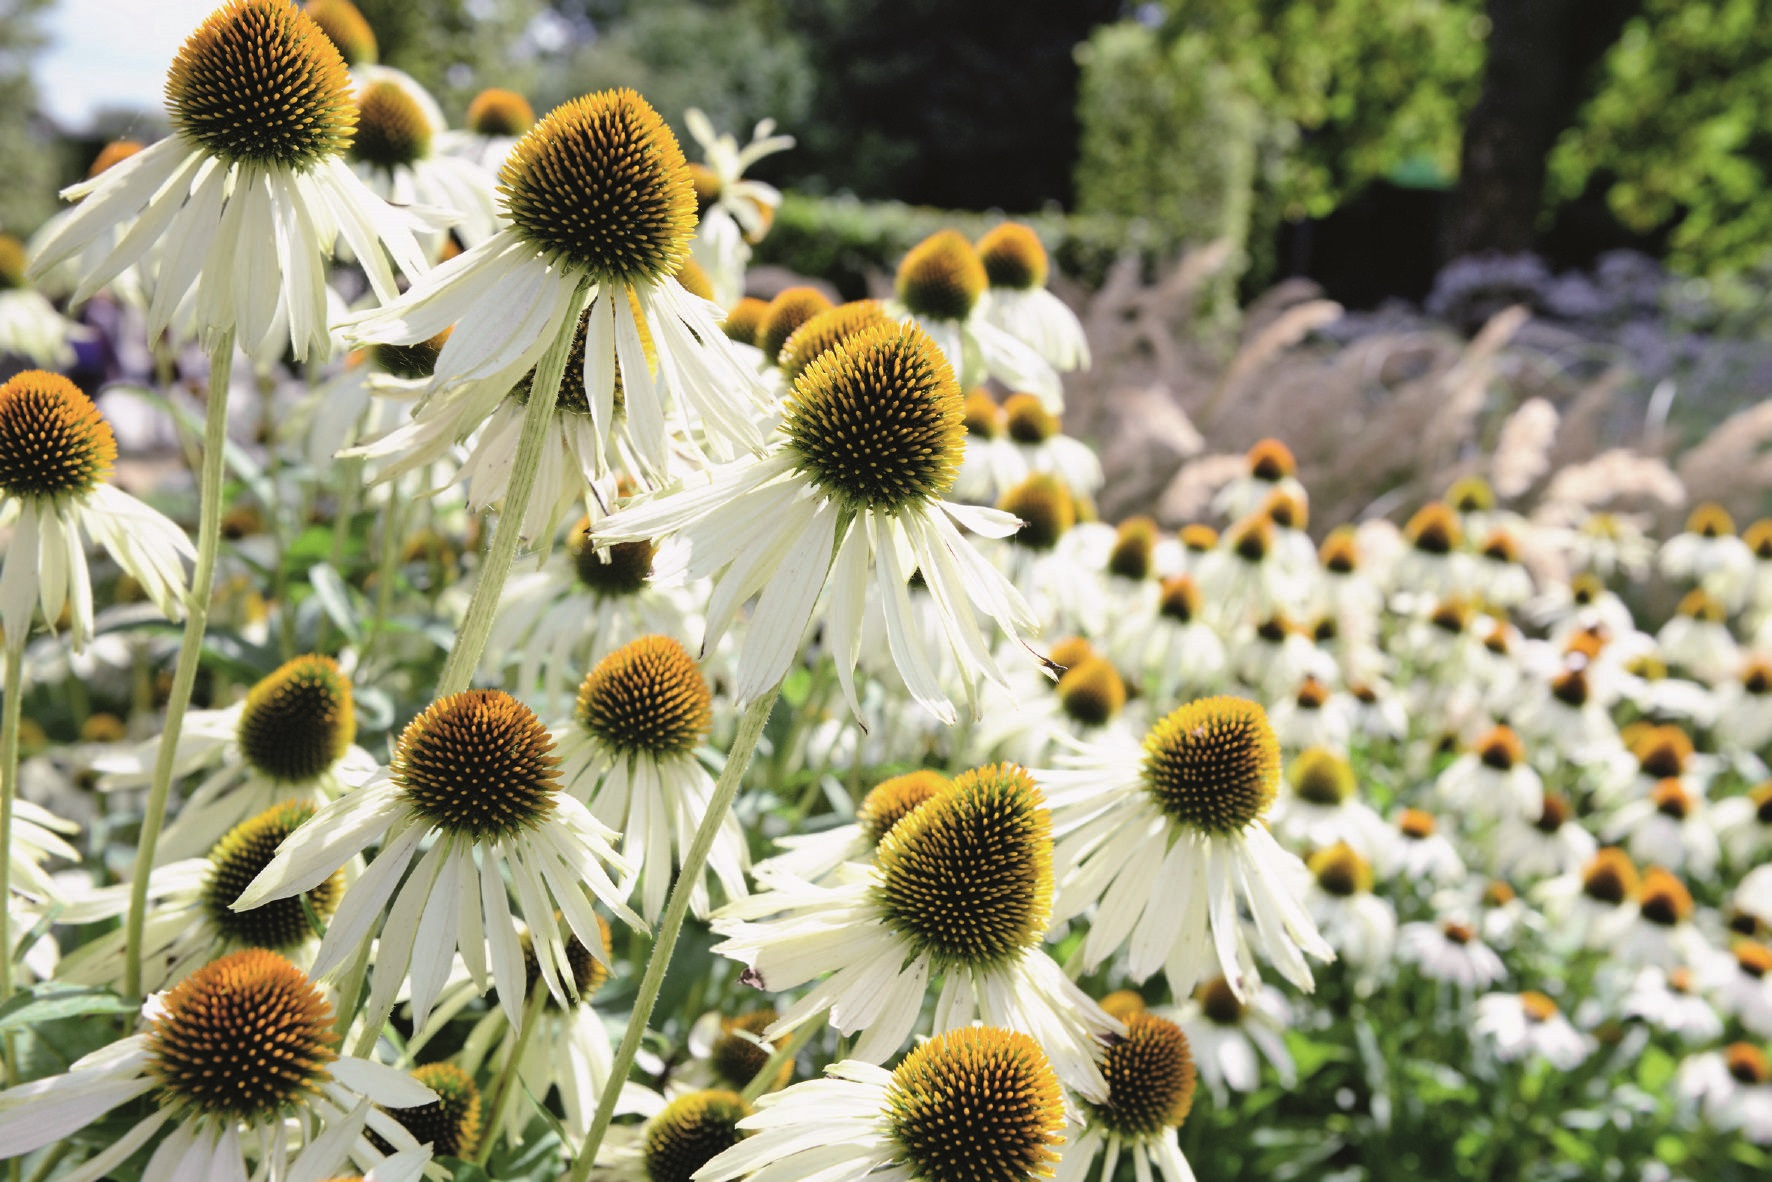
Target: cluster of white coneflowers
[[995, 827]]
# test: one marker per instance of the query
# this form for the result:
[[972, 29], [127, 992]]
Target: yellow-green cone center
[[737, 1055], [1046, 507], [647, 696], [979, 1104], [824, 332], [1213, 765], [1028, 420], [298, 721], [690, 1132], [890, 801], [786, 314], [392, 128], [1150, 1077], [601, 183], [941, 278], [450, 1124], [53, 441], [345, 27], [967, 878], [876, 422], [1092, 692], [1322, 777], [1013, 257], [237, 859], [477, 764], [245, 1039], [260, 83], [499, 112]]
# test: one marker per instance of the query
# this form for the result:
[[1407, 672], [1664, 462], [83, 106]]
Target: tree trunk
[[1542, 55]]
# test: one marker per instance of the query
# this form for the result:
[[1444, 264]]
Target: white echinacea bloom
[[243, 204], [961, 889], [1017, 300], [241, 1058], [475, 771], [735, 211], [1166, 837], [979, 1102], [852, 490], [600, 208], [56, 453]]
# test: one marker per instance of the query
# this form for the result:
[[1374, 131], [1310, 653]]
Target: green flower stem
[[505, 1086], [458, 673], [14, 708], [190, 653], [695, 860], [787, 1050]]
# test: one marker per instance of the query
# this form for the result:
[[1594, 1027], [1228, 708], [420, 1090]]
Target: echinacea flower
[[1732, 1088], [600, 207], [397, 153], [1166, 837], [191, 920], [475, 771], [245, 201], [291, 739], [960, 888], [735, 211], [1017, 300], [810, 857], [30, 327], [979, 1102], [56, 453], [682, 1134], [941, 286], [241, 1053], [1151, 1078], [1451, 951], [630, 754], [1522, 1025], [870, 442], [1230, 1036]]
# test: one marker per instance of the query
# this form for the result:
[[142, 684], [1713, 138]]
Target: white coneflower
[[191, 920], [245, 201], [1743, 824], [1424, 853], [1245, 577], [30, 327], [1175, 652], [1434, 563], [1313, 715], [977, 1102], [1594, 906], [735, 212], [684, 1130], [1151, 1079], [1451, 951], [1670, 826], [1323, 808], [1519, 1025], [291, 739], [1744, 705], [960, 888], [1017, 300], [1732, 1088], [581, 605], [1166, 837], [630, 754], [1660, 928], [811, 857], [1499, 577], [1670, 1000], [396, 151], [475, 771], [496, 118], [941, 285], [1036, 433], [596, 193], [56, 453], [1230, 1036], [1049, 554], [1359, 925], [870, 442], [239, 1058], [1741, 984], [1708, 552], [1581, 604], [58, 282], [1270, 466], [1696, 638], [730, 1050], [1492, 780], [1552, 844]]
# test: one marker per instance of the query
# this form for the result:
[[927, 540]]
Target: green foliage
[[1168, 135], [27, 160], [733, 60], [1680, 132]]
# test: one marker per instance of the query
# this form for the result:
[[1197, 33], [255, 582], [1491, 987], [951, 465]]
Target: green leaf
[[28, 1010], [335, 597]]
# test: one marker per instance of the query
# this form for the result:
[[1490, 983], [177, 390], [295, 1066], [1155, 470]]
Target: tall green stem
[[190, 653], [695, 860], [477, 625], [505, 1086], [13, 706]]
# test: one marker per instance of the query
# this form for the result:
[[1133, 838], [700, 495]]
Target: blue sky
[[110, 53]]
